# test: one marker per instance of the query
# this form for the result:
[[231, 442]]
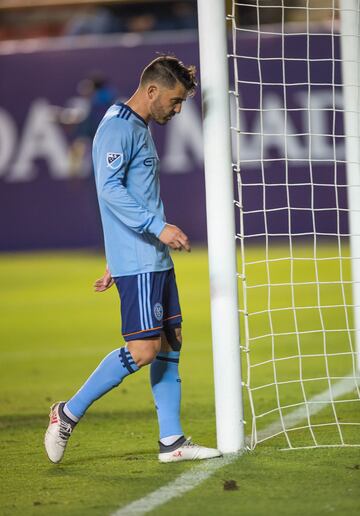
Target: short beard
[[161, 122], [158, 115]]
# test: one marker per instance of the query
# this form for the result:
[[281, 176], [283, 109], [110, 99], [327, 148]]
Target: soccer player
[[137, 242]]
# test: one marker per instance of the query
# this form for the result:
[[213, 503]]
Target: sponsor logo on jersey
[[158, 311], [148, 162], [114, 160]]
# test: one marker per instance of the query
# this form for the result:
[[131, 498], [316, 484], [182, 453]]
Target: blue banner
[[47, 194]]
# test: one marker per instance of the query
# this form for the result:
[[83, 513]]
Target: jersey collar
[[128, 108]]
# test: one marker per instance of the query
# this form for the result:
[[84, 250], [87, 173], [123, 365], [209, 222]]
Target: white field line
[[315, 405], [201, 472]]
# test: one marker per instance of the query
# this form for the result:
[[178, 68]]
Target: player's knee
[[144, 351], [173, 339], [147, 357]]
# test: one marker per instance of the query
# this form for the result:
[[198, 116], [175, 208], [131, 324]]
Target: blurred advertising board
[[47, 198]]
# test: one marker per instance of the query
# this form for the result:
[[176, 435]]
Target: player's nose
[[177, 108]]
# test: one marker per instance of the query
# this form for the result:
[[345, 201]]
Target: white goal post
[[293, 221], [221, 244], [350, 46]]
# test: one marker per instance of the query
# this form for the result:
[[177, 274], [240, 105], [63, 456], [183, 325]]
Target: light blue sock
[[166, 388], [110, 372]]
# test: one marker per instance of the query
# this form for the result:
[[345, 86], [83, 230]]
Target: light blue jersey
[[126, 168]]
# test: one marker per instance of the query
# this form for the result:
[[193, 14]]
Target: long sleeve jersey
[[126, 168]]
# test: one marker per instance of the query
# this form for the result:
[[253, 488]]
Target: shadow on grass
[[21, 421], [25, 433]]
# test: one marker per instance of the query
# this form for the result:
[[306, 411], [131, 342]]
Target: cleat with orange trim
[[186, 450]]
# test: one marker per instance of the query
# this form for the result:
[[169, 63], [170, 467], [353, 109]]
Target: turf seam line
[[201, 472]]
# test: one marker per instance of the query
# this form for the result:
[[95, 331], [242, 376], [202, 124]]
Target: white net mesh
[[296, 285]]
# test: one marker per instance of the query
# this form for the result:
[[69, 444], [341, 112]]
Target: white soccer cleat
[[189, 451], [57, 434]]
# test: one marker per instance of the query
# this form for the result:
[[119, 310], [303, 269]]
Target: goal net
[[295, 137]]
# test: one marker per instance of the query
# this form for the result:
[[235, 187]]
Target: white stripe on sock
[[168, 441], [70, 415]]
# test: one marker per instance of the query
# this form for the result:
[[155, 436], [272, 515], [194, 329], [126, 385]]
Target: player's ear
[[152, 91]]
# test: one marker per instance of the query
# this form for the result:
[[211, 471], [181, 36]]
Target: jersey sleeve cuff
[[156, 226]]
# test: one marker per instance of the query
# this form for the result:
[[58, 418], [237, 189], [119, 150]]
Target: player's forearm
[[130, 212]]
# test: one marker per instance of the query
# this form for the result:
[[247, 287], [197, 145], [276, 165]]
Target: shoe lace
[[64, 432], [189, 443]]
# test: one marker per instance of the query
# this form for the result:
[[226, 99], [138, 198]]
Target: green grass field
[[54, 330]]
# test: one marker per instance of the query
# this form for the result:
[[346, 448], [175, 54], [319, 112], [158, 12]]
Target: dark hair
[[167, 70]]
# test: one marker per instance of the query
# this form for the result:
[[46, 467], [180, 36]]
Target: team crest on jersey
[[158, 311], [114, 159]]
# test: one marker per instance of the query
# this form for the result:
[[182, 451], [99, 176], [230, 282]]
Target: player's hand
[[174, 238], [104, 283]]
